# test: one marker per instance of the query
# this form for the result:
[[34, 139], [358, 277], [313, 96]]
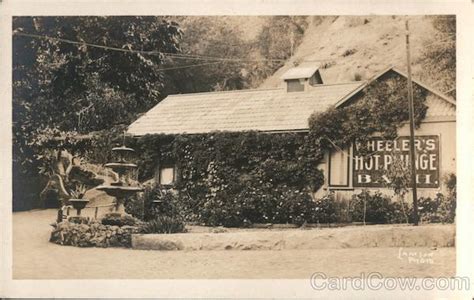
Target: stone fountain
[[123, 188]]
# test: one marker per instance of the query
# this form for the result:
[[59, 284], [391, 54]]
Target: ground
[[35, 258]]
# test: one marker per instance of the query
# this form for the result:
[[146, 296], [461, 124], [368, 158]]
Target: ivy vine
[[230, 178]]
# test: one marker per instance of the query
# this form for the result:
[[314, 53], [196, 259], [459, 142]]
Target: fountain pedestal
[[122, 189]]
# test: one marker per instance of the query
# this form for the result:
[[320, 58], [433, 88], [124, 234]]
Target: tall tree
[[210, 37], [77, 87]]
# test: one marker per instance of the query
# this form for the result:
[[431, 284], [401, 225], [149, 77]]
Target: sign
[[371, 170]]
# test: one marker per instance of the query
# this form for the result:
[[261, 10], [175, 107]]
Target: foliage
[[379, 208], [101, 86], [156, 201], [371, 208], [164, 224], [227, 178], [399, 175], [328, 210], [36, 157], [79, 192], [451, 181], [367, 114], [117, 219], [61, 88], [101, 142], [441, 209], [209, 37], [135, 207], [92, 234], [278, 39], [439, 55], [233, 178], [247, 62]]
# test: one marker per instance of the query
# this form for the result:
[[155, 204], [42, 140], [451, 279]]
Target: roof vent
[[300, 78]]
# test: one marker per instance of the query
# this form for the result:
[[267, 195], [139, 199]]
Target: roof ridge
[[339, 83], [224, 92], [262, 90]]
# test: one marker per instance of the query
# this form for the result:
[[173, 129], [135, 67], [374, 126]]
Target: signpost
[[412, 129]]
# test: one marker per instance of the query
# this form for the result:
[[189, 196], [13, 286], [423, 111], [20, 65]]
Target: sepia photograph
[[289, 146]]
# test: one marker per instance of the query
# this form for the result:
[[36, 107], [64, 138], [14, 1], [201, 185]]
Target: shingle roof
[[299, 72], [262, 110]]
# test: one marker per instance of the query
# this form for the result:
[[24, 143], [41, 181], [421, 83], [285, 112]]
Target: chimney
[[300, 79]]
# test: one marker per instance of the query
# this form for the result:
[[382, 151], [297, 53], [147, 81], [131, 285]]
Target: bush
[[381, 210], [116, 219], [143, 208], [371, 208], [297, 207], [400, 212], [441, 209], [164, 224], [327, 210]]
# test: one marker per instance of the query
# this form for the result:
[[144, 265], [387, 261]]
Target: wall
[[444, 127]]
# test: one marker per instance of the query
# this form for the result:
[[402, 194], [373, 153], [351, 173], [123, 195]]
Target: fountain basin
[[78, 204], [123, 149], [120, 166], [119, 191]]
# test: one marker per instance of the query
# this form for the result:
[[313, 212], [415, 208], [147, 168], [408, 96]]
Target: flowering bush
[[328, 210]]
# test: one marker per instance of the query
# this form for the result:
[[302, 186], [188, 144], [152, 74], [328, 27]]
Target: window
[[166, 175], [339, 169]]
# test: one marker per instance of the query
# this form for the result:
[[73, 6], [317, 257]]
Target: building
[[287, 109]]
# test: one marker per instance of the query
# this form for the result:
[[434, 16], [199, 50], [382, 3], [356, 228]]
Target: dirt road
[[35, 258]]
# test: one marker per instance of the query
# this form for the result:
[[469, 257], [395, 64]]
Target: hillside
[[361, 45]]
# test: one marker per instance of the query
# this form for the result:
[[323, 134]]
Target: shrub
[[400, 212], [143, 208], [349, 52], [135, 206], [296, 207], [164, 224], [92, 234], [116, 219], [327, 210], [441, 209], [372, 208]]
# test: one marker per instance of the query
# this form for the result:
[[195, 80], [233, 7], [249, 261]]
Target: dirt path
[[35, 258]]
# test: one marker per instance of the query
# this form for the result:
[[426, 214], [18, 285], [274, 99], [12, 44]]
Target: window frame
[[166, 166], [348, 185]]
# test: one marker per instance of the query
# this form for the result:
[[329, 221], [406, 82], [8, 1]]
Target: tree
[[278, 39], [65, 86], [61, 83], [210, 37]]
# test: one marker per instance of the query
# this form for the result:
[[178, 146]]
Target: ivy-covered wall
[[253, 174], [229, 178]]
